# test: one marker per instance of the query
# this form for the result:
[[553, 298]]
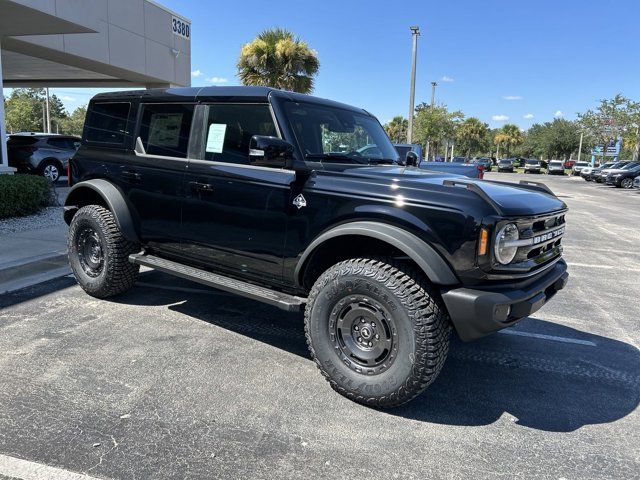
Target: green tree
[[472, 136], [25, 107], [73, 124], [397, 129], [508, 137], [435, 125], [276, 58]]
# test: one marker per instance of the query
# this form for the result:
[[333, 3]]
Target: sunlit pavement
[[174, 380]]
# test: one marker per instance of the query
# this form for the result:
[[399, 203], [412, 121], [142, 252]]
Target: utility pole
[[580, 147], [415, 31], [433, 104], [46, 102]]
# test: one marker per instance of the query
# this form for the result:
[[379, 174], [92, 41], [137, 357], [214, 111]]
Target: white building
[[90, 43]]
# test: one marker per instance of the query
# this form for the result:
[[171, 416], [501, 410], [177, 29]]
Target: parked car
[[41, 154], [486, 163], [544, 163], [601, 174], [624, 177], [460, 160], [517, 161], [636, 182], [556, 167], [578, 166], [404, 148], [568, 164], [532, 166], [588, 172], [505, 165], [242, 189]]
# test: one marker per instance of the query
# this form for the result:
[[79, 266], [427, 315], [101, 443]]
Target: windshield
[[630, 165], [533, 162], [582, 164], [556, 164], [503, 162], [332, 134], [459, 160]]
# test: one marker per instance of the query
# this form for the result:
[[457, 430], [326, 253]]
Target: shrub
[[22, 194]]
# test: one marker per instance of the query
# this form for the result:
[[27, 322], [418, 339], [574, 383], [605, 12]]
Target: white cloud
[[446, 79], [512, 97], [528, 116], [500, 118], [66, 98], [217, 80], [558, 114], [196, 73]]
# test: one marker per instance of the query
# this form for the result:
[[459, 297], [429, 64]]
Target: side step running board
[[281, 300]]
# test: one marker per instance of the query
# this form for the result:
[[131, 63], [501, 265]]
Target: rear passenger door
[[235, 215]]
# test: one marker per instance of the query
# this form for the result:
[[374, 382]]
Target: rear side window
[[107, 123], [164, 129], [18, 140]]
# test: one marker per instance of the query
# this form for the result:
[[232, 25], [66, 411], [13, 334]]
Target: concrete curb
[[33, 270]]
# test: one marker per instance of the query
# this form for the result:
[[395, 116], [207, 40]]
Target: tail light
[[480, 172]]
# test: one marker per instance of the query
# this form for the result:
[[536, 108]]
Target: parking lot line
[[553, 338], [25, 470]]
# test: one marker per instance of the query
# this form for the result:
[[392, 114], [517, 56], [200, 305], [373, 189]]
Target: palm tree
[[509, 136], [397, 129], [472, 136], [276, 58]]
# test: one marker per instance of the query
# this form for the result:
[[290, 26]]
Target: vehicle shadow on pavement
[[539, 382]]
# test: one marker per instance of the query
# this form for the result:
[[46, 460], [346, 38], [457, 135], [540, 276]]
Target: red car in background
[[569, 163]]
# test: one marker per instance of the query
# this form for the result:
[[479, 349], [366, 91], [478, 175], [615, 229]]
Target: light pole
[[580, 147], [48, 116], [433, 94], [415, 31]]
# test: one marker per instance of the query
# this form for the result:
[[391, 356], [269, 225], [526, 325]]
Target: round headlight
[[505, 254]]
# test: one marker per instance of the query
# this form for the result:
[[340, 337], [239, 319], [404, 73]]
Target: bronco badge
[[300, 201]]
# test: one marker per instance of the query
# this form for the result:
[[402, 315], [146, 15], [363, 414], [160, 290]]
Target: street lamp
[[415, 31]]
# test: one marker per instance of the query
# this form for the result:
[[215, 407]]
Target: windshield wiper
[[335, 156]]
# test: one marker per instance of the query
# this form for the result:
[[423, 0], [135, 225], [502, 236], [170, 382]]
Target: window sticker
[[215, 137], [164, 129]]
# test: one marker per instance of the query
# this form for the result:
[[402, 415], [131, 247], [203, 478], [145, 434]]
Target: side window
[[107, 122], [230, 127], [164, 129]]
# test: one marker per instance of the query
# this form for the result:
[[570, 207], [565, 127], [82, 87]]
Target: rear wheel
[[627, 183], [50, 169], [376, 331], [99, 253]]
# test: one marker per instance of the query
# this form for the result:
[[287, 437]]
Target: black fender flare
[[425, 256], [113, 198]]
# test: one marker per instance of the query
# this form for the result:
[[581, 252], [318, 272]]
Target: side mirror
[[412, 159], [270, 152]]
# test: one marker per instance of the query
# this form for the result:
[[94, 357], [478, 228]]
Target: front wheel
[[627, 183], [376, 331], [99, 253]]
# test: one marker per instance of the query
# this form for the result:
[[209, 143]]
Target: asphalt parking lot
[[174, 380]]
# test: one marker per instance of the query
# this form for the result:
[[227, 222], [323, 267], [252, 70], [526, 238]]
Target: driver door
[[235, 214]]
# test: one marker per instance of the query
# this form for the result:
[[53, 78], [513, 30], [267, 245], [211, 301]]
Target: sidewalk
[[32, 249]]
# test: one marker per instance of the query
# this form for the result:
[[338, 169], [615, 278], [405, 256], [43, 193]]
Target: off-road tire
[[422, 325], [117, 274]]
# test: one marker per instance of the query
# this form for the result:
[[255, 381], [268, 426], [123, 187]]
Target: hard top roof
[[222, 94]]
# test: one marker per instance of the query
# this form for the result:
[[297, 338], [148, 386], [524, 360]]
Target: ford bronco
[[272, 195]]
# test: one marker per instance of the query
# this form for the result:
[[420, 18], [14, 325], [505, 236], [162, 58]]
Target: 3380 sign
[[181, 28]]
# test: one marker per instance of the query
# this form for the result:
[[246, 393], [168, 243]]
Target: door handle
[[131, 175], [201, 187]]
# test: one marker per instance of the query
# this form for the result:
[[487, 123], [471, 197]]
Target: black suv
[[267, 194]]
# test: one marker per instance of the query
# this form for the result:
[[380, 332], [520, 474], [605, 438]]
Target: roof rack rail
[[475, 188]]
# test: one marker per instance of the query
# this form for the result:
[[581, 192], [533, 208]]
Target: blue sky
[[492, 59]]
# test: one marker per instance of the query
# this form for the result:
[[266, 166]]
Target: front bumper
[[476, 313]]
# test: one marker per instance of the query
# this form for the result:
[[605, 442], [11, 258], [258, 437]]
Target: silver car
[[42, 154], [578, 166], [556, 167], [636, 182]]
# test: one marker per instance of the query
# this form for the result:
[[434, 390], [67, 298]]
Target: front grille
[[546, 234]]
